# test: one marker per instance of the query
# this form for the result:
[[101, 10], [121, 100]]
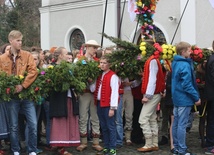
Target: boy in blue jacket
[[184, 95]]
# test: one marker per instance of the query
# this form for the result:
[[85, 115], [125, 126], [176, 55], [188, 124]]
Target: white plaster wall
[[188, 24], [164, 10], [110, 23], [204, 23], [58, 20], [45, 29], [62, 21], [45, 2], [55, 2]]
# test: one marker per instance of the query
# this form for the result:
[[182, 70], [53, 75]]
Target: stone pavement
[[193, 143]]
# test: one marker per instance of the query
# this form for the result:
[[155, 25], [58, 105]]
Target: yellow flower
[[169, 56], [142, 43], [164, 56], [170, 51], [139, 4], [143, 53], [164, 46], [174, 49], [164, 51], [21, 77], [142, 48], [50, 67]]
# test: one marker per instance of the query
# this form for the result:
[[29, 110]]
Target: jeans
[[38, 112], [119, 122], [108, 126], [28, 109], [181, 116], [190, 121]]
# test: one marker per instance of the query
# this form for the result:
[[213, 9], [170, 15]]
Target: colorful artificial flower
[[198, 80], [42, 72], [50, 67], [168, 51], [8, 90], [143, 48], [36, 89], [145, 12], [196, 54], [21, 77]]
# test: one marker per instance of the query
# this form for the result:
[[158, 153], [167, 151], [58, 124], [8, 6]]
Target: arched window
[[158, 34], [77, 39]]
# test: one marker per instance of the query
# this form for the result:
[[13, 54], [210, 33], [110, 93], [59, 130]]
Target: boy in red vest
[[106, 95]]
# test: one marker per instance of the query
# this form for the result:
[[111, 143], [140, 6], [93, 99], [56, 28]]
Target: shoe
[[187, 153], [155, 148], [40, 143], [2, 152], [128, 142], [16, 153], [32, 153], [209, 150], [164, 140], [39, 151], [174, 151], [63, 152], [97, 147], [105, 151], [50, 148], [81, 147], [118, 146], [112, 152], [145, 149]]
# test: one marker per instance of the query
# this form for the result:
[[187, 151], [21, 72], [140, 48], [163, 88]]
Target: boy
[[17, 62], [184, 95], [106, 97]]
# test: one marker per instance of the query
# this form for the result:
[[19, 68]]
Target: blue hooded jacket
[[184, 88]]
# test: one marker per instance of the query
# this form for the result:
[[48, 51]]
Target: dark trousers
[[210, 124], [108, 126], [137, 134]]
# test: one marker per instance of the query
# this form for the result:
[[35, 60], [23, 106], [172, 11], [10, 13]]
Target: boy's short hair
[[105, 57], [35, 53], [35, 49], [182, 46], [14, 34]]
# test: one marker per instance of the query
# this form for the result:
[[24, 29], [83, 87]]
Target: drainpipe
[[118, 17]]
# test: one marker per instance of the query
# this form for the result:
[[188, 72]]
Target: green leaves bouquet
[[86, 71]]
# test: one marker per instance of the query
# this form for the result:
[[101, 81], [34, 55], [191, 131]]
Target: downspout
[[118, 17], [104, 22]]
